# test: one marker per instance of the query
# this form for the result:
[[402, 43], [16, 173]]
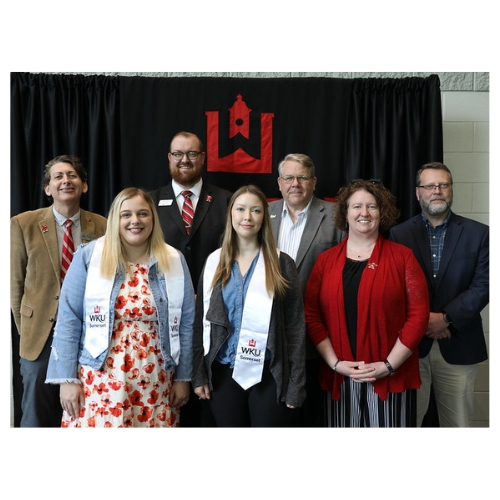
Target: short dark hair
[[187, 135], [74, 161]]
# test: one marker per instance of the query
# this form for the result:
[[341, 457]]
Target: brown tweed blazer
[[35, 273]]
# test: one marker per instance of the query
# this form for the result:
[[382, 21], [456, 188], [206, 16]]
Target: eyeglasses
[[373, 181], [192, 155], [288, 179], [441, 185]]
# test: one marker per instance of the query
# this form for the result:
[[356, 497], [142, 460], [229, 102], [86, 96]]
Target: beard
[[185, 177], [435, 208]]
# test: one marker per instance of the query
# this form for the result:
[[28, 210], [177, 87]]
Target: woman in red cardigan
[[367, 309]]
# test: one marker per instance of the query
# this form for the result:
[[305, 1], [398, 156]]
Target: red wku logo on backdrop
[[239, 123]]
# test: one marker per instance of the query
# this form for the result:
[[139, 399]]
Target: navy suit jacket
[[461, 287], [208, 225]]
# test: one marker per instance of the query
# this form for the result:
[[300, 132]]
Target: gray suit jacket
[[319, 235]]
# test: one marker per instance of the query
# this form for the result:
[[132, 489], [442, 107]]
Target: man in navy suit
[[454, 254], [199, 237], [303, 227]]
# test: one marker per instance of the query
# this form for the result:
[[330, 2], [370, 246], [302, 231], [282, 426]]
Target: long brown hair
[[276, 284]]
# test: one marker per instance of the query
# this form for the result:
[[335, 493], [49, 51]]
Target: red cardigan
[[393, 302]]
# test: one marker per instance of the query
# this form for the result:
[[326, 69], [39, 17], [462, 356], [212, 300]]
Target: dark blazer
[[208, 225], [35, 273], [319, 235], [461, 287]]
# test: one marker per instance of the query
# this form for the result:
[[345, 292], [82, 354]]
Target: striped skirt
[[359, 406]]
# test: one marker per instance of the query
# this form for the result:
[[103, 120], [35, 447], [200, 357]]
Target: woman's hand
[[72, 399], [358, 370], [379, 370], [179, 395], [202, 391]]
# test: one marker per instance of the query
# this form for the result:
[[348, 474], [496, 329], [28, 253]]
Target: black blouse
[[353, 270]]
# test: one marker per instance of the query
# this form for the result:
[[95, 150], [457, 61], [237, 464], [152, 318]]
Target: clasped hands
[[359, 371], [437, 328]]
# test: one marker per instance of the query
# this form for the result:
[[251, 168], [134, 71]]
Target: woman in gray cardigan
[[249, 334]]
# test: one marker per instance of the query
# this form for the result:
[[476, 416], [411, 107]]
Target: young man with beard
[[453, 251], [198, 238], [192, 215]]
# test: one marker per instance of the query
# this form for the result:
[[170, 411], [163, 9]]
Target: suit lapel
[[275, 213], [315, 215], [423, 252], [171, 210], [453, 233], [48, 229], [203, 206], [88, 227]]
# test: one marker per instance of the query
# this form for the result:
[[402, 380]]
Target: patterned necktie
[[67, 250], [187, 210]]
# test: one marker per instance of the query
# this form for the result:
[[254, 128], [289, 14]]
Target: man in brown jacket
[[35, 270]]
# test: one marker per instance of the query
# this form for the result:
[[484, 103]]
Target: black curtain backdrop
[[121, 128], [310, 116], [395, 126], [64, 114]]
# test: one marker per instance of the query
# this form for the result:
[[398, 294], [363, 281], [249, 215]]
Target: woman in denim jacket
[[122, 349]]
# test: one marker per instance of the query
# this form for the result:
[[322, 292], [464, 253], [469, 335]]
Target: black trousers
[[233, 406]]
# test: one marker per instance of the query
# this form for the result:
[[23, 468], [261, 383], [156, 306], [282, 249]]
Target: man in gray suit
[[303, 227]]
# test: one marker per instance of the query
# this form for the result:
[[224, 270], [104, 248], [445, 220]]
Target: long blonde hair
[[113, 254], [276, 284]]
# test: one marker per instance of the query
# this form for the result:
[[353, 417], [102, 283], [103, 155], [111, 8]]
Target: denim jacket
[[69, 334]]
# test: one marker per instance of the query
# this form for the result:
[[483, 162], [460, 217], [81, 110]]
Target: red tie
[[67, 250], [187, 210]]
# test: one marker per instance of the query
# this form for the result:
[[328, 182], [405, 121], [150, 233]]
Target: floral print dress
[[132, 388]]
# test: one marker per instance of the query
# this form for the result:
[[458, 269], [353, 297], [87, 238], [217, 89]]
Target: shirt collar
[[306, 208], [196, 189], [61, 220], [444, 225]]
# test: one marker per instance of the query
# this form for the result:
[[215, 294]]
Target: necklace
[[360, 254]]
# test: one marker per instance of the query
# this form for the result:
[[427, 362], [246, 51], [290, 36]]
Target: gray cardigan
[[286, 340]]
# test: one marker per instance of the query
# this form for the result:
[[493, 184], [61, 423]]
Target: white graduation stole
[[97, 297], [256, 318]]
